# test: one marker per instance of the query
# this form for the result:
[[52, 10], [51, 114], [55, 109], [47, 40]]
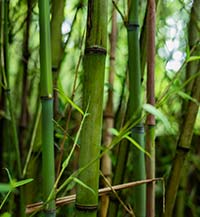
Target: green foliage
[[175, 55], [152, 110], [13, 184]]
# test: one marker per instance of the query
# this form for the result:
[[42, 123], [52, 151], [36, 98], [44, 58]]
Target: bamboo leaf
[[4, 200], [152, 110], [78, 181], [9, 176], [70, 101], [187, 97], [5, 187], [137, 145], [14, 184], [193, 58], [5, 214], [22, 182], [114, 132]]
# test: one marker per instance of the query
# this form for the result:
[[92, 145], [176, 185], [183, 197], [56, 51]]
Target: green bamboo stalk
[[139, 193], [57, 54], [7, 88], [46, 92], [150, 131], [94, 66], [182, 192], [2, 100], [20, 207], [134, 113], [191, 69], [56, 45], [184, 142]]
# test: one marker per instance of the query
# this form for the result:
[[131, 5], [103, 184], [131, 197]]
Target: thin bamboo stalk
[[106, 163], [24, 116], [139, 193], [7, 88], [191, 69], [134, 113], [20, 207], [46, 92], [184, 142], [56, 45], [150, 132], [94, 66], [71, 198]]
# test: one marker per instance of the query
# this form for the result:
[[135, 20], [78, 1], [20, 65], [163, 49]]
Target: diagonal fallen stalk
[[71, 198]]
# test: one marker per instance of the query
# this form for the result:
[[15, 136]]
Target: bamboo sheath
[[103, 191]]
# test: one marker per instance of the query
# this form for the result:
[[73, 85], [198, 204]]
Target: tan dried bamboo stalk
[[71, 198], [106, 163]]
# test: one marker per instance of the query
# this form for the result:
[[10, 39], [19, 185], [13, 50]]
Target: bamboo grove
[[99, 108]]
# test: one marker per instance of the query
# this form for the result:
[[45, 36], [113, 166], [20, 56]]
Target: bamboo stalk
[[90, 139], [24, 116], [106, 163], [103, 191], [134, 113], [150, 131], [46, 92], [20, 206], [56, 45], [139, 193], [191, 69], [184, 142]]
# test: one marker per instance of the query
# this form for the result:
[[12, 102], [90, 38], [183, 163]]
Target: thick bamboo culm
[[93, 86], [103, 191]]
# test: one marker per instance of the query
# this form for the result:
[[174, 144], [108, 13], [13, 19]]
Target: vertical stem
[[57, 53], [133, 113], [184, 142], [94, 66], [46, 92], [139, 193], [56, 44], [106, 162], [25, 59], [20, 206], [150, 132], [7, 87]]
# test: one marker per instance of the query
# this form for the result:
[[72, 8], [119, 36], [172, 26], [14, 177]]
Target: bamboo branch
[[71, 198]]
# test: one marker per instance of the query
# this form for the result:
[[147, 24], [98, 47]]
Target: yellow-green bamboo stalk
[[90, 140], [46, 92]]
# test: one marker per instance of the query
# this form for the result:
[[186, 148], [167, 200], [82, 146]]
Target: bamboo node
[[185, 149], [138, 129], [49, 97], [54, 68], [132, 26], [86, 207], [7, 90], [95, 49]]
